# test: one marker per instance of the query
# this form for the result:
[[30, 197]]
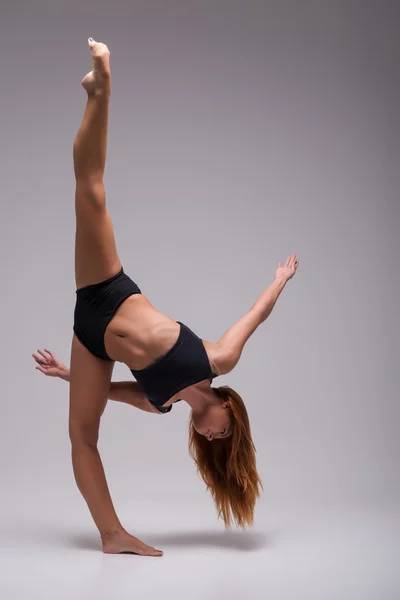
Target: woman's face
[[215, 422]]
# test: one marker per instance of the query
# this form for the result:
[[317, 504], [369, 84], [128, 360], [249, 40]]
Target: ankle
[[109, 535], [100, 92]]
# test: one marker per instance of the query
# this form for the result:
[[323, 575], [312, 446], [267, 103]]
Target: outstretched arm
[[231, 344], [127, 392]]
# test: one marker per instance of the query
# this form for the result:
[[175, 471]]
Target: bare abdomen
[[139, 334]]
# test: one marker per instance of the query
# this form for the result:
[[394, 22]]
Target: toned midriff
[[139, 334]]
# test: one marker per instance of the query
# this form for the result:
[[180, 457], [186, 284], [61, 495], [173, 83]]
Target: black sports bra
[[186, 363]]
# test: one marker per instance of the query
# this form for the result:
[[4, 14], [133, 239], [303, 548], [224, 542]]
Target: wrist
[[64, 373], [281, 281]]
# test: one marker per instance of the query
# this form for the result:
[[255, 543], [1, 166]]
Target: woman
[[114, 321]]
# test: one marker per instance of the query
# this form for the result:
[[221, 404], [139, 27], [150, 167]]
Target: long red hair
[[228, 466]]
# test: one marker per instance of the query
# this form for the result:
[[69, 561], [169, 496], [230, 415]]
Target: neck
[[198, 396]]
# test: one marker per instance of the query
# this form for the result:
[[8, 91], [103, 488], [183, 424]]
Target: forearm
[[127, 392], [267, 299]]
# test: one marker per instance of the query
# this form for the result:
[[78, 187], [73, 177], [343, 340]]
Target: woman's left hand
[[287, 271]]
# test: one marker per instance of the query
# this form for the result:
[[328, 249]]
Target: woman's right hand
[[49, 364]]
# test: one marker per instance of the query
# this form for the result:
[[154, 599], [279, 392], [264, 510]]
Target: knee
[[83, 434], [91, 190]]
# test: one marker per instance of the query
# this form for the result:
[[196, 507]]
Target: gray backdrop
[[240, 132]]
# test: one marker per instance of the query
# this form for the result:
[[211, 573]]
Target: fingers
[[45, 357], [39, 359], [293, 261], [43, 354], [41, 369], [290, 260]]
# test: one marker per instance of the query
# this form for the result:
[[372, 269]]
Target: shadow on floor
[[244, 541], [41, 535], [235, 540]]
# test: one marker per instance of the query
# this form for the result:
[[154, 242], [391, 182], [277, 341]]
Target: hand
[[288, 270], [49, 364]]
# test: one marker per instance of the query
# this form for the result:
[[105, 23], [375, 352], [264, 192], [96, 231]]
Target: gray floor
[[288, 555]]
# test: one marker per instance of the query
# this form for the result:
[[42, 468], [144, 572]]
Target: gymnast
[[115, 321]]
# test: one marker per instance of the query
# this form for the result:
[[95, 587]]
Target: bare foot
[[98, 80], [123, 543]]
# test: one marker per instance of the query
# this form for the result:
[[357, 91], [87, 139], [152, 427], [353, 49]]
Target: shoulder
[[220, 358]]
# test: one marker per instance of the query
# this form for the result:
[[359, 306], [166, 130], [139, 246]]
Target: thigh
[[90, 379], [96, 256]]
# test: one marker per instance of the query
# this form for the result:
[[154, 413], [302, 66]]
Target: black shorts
[[95, 307]]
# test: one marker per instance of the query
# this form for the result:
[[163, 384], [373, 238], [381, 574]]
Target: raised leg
[[96, 257]]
